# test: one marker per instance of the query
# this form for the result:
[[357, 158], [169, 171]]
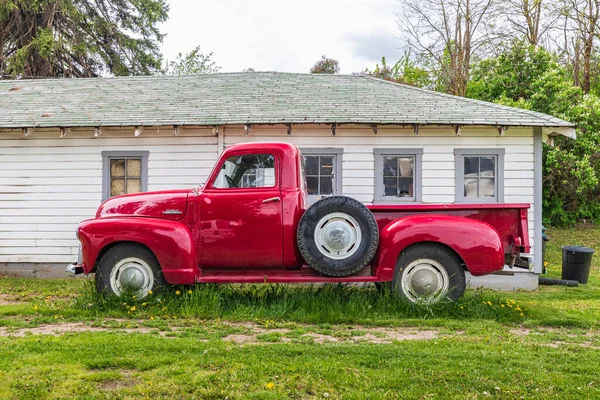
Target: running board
[[302, 275]]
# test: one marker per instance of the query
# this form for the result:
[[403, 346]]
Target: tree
[[405, 70], [193, 63], [527, 19], [79, 38], [448, 32], [585, 18], [326, 66]]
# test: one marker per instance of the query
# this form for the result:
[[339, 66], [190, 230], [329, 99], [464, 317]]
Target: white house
[[68, 144]]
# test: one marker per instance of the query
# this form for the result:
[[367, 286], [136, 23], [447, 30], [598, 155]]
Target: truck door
[[241, 214]]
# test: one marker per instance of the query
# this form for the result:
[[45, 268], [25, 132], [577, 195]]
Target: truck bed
[[505, 218]]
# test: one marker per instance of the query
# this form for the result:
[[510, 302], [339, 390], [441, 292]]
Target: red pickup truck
[[251, 222]]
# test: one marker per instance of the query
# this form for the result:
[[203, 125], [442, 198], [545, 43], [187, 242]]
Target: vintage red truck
[[251, 222]]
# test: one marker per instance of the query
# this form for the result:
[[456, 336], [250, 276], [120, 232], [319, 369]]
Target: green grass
[[178, 351]]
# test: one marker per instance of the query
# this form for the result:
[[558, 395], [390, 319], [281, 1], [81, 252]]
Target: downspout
[[537, 200], [221, 140]]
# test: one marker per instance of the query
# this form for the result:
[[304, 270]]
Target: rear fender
[[170, 241], [476, 242]]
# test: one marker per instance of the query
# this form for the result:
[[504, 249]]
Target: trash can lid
[[578, 249]]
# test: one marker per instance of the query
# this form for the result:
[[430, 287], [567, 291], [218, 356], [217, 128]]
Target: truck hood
[[166, 204]]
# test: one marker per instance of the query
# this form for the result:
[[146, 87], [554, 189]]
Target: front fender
[[170, 241], [476, 242]]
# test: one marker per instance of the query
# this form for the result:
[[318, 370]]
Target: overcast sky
[[284, 35]]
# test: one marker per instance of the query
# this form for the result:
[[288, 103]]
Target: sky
[[284, 35]]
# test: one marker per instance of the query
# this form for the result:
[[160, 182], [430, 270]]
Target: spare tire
[[338, 236]]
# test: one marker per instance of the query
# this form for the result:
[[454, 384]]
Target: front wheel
[[429, 273], [129, 268]]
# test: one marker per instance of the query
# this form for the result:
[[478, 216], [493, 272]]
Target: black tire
[[360, 254], [111, 260], [441, 257]]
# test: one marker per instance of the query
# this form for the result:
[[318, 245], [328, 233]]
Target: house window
[[124, 172], [247, 171], [479, 175], [398, 175], [323, 170]]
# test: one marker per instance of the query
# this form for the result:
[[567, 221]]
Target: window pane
[[249, 170], [405, 187], [390, 166], [326, 185], [312, 165], [249, 179], [312, 185], [134, 167], [117, 168], [487, 187], [134, 185], [117, 187], [471, 187], [326, 165], [390, 187], [488, 166], [471, 166], [406, 166]]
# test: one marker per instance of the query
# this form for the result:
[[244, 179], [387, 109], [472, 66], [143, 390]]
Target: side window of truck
[[247, 171]]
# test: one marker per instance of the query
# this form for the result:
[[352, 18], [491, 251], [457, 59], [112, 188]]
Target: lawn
[[58, 339]]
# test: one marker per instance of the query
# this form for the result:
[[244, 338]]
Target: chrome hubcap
[[132, 274], [425, 281], [337, 235]]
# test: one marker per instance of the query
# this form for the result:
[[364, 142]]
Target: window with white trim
[[479, 175], [323, 171], [398, 175], [124, 172]]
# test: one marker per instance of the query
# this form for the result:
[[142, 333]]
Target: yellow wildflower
[[270, 385], [149, 291], [189, 292], [502, 305], [489, 303], [177, 292], [152, 318], [133, 308], [35, 308], [522, 315]]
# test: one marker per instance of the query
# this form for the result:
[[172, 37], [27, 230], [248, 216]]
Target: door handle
[[271, 200]]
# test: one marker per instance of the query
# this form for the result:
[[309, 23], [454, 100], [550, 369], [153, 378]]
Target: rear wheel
[[129, 268], [429, 273], [338, 236]]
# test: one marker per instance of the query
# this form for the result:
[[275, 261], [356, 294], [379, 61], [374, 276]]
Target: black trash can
[[576, 262]]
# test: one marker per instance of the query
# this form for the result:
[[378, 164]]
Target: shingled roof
[[244, 98]]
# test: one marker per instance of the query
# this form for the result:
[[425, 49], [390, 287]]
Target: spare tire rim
[[133, 275], [425, 281], [337, 236]]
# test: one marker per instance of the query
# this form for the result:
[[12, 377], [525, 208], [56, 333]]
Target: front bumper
[[74, 269]]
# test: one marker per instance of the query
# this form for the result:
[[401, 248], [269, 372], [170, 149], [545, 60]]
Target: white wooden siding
[[438, 145], [48, 184]]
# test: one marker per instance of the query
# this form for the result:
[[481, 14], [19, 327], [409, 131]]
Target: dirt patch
[[6, 300], [115, 384], [252, 333], [372, 335], [62, 329]]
